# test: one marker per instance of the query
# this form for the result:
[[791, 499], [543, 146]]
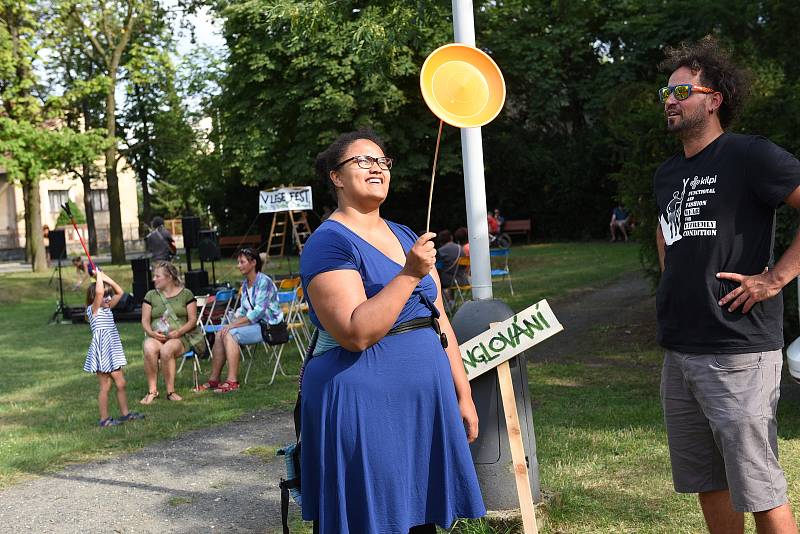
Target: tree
[[299, 73], [17, 82], [34, 137], [28, 151], [82, 101], [163, 145], [111, 28]]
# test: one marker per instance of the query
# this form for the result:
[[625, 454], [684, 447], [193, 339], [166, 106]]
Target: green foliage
[[639, 142], [164, 146], [27, 150], [77, 213], [300, 73]]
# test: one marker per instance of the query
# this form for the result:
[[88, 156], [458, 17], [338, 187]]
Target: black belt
[[422, 322]]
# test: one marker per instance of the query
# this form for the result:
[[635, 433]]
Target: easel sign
[[285, 199], [492, 349]]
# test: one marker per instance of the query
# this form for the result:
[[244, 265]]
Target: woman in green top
[[169, 314]]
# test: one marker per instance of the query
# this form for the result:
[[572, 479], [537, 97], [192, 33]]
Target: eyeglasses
[[682, 91], [366, 162]]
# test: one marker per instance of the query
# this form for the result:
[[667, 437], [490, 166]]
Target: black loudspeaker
[[142, 279], [126, 303], [58, 245], [197, 281], [191, 231], [208, 247]]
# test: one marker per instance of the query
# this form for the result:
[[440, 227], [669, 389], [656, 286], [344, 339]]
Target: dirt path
[[204, 482], [623, 311], [200, 482]]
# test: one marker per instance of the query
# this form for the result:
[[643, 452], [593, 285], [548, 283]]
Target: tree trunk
[[33, 231], [144, 160], [86, 179], [115, 215], [146, 200], [26, 191]]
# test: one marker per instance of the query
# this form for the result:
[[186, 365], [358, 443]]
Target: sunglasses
[[366, 162], [682, 91]]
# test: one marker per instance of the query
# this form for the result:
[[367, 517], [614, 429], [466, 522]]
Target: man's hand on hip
[[752, 289]]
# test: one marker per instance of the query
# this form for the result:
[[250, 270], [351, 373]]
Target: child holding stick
[[105, 357]]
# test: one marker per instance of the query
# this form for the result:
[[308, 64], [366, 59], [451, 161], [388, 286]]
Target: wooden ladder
[[300, 229], [277, 235], [276, 245]]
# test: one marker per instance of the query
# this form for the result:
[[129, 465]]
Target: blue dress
[[384, 448]]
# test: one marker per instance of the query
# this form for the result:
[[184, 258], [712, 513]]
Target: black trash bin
[[491, 452]]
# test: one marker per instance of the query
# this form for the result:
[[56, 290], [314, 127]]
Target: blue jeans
[[247, 335]]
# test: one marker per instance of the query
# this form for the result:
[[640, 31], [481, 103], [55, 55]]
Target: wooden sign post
[[493, 349]]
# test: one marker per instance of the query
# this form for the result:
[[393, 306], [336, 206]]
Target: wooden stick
[[517, 449], [433, 175]]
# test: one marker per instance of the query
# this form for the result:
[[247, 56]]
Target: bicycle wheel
[[503, 241]]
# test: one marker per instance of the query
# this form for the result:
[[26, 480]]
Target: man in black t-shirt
[[719, 305]]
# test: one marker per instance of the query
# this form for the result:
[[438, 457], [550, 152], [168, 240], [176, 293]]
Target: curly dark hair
[[332, 156], [717, 71]]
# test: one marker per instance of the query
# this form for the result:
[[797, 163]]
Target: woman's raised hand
[[422, 257]]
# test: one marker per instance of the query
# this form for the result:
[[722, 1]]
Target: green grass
[[48, 405], [601, 443], [178, 501], [602, 450], [561, 269], [265, 453]]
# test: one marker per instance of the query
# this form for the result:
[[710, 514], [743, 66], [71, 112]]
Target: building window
[[99, 199], [57, 199]]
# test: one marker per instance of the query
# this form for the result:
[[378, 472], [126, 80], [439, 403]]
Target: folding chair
[[221, 303], [190, 354], [289, 302], [292, 301], [459, 291], [272, 352], [503, 273]]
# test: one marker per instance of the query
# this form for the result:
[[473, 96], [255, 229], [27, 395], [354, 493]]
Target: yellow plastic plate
[[462, 85]]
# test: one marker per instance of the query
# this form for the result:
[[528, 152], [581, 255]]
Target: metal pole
[[474, 184]]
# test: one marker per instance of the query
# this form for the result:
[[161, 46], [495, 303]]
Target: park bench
[[229, 244], [518, 227]]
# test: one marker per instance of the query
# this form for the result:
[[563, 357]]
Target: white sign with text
[[503, 341], [285, 199]]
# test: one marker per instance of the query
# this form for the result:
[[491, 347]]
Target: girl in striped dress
[[106, 357]]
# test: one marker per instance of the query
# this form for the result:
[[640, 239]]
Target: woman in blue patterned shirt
[[258, 304]]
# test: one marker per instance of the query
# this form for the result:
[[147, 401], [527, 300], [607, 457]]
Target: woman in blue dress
[[387, 416]]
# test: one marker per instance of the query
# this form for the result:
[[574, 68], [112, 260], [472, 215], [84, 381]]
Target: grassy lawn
[[48, 406], [602, 450]]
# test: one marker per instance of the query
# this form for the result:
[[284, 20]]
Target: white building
[[55, 191]]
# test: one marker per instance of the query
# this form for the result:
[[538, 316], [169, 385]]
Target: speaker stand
[[60, 309]]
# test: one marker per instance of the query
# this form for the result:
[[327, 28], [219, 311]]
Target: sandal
[[132, 416], [227, 387], [150, 397], [109, 421], [172, 394], [211, 384]]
